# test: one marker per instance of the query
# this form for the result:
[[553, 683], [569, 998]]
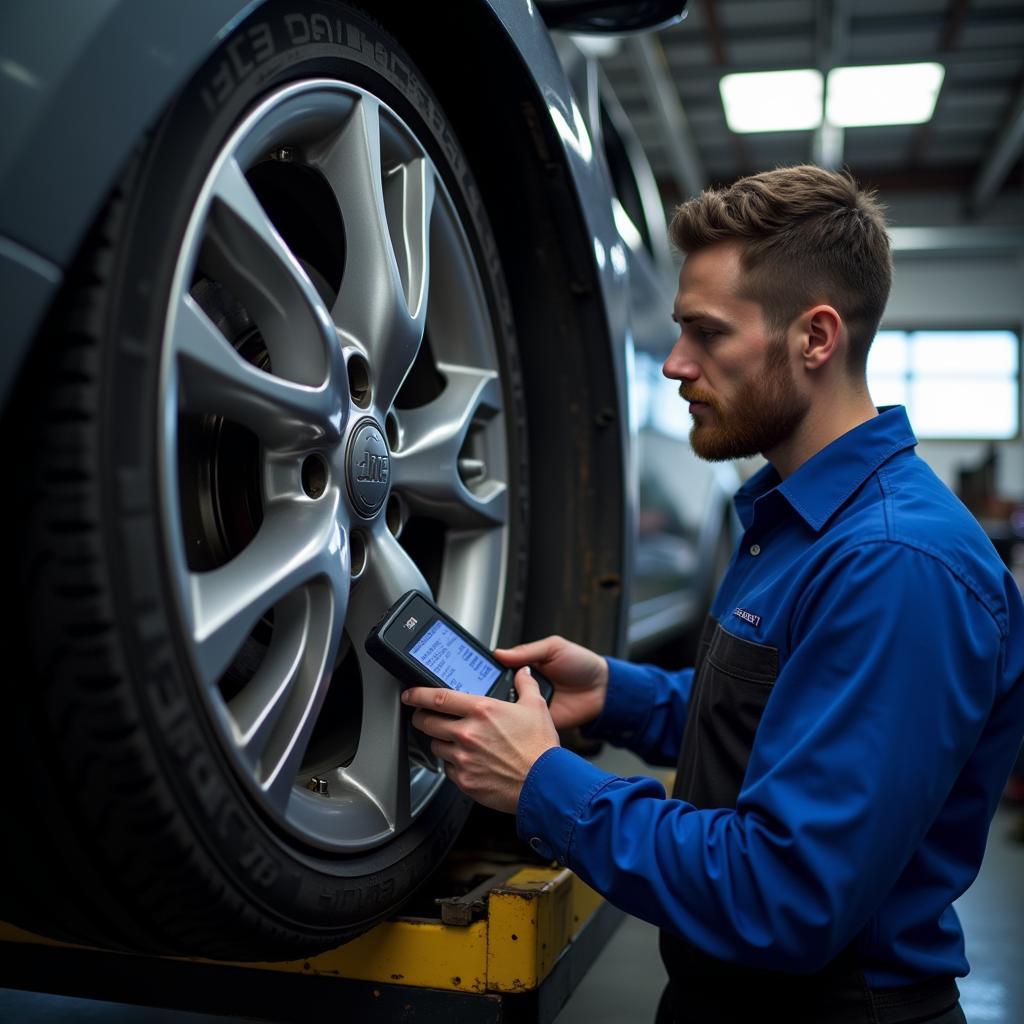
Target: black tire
[[131, 828]]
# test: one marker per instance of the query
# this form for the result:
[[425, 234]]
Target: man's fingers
[[439, 698], [526, 685], [441, 727], [525, 654], [443, 750]]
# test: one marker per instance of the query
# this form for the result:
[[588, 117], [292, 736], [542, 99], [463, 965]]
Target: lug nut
[[472, 470], [359, 381], [314, 476]]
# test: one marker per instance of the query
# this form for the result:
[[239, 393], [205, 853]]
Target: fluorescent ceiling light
[[883, 94], [772, 101]]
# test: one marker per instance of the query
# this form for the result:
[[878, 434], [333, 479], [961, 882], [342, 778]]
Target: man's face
[[738, 379]]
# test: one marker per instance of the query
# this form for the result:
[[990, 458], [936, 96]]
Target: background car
[[307, 307]]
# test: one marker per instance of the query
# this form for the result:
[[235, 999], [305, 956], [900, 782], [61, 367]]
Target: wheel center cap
[[369, 468]]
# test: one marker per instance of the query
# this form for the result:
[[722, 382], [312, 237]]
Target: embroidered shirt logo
[[742, 613]]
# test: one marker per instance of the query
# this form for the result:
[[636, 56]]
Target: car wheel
[[281, 389]]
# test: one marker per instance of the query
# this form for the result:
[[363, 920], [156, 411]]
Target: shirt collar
[[828, 479]]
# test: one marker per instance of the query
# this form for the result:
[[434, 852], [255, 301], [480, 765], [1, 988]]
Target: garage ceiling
[[972, 144]]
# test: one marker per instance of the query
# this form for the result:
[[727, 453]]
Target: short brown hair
[[809, 235]]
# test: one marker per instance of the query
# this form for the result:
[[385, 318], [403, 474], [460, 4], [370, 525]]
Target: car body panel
[[79, 85], [78, 105], [28, 284], [615, 16]]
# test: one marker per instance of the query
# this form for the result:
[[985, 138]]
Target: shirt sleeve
[[644, 711], [893, 671]]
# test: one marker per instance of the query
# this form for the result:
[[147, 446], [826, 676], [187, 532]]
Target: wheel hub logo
[[369, 468], [373, 468]]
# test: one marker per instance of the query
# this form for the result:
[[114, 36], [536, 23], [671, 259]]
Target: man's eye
[[707, 333]]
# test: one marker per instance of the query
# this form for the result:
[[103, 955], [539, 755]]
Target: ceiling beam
[[663, 99], [716, 39], [970, 238], [954, 24], [935, 179], [950, 39], [1005, 151], [861, 25], [986, 55], [832, 39], [827, 145], [924, 179]]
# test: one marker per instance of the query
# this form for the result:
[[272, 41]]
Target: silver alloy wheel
[[336, 466]]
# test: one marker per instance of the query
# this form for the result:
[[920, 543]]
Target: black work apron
[[733, 680]]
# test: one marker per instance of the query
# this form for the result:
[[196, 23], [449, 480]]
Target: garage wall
[[975, 291]]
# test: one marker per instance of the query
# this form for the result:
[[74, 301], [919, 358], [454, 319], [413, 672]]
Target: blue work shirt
[[890, 729]]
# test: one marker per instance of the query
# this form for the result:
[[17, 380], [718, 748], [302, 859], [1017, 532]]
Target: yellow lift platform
[[510, 947]]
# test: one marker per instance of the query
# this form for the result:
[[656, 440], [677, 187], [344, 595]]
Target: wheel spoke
[[382, 301], [409, 201], [244, 251], [380, 768], [426, 469], [215, 379], [390, 572], [276, 712], [296, 543]]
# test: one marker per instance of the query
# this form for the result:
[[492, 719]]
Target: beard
[[764, 412]]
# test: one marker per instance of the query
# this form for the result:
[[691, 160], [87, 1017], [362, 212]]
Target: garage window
[[956, 385]]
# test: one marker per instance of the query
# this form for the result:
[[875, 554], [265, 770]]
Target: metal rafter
[[976, 55], [974, 238], [1006, 150], [716, 40], [832, 39], [954, 24], [663, 97], [950, 40], [865, 26]]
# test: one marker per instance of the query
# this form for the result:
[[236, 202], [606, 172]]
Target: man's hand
[[580, 677], [488, 745]]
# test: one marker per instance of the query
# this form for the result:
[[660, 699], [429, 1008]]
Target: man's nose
[[680, 365]]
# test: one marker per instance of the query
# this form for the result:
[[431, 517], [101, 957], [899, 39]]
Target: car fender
[[80, 83]]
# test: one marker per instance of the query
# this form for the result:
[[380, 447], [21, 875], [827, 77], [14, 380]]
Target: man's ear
[[823, 334]]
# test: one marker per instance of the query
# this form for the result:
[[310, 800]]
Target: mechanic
[[857, 700]]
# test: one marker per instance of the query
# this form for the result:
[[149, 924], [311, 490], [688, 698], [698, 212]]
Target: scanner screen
[[452, 660]]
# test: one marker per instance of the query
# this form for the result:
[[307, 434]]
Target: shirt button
[[755, 549]]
